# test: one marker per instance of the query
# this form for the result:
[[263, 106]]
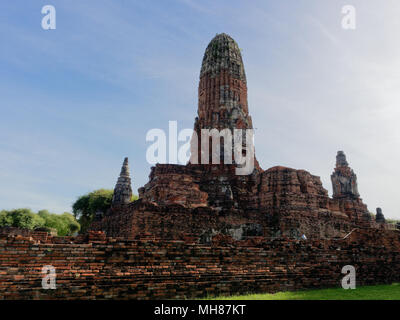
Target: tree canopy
[[65, 224], [84, 210], [86, 206]]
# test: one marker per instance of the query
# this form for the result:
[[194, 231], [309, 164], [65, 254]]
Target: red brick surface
[[109, 268], [187, 200]]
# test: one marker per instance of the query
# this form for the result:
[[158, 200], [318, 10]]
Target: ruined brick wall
[[211, 199], [300, 205], [175, 222], [34, 234], [100, 268], [174, 184]]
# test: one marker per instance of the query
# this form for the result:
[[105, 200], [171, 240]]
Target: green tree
[[24, 218], [86, 206], [72, 226], [5, 219], [392, 221], [65, 224]]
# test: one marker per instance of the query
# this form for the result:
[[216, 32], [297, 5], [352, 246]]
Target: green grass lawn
[[381, 292]]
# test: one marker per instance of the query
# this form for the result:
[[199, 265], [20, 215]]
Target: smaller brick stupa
[[123, 190], [379, 218], [344, 180]]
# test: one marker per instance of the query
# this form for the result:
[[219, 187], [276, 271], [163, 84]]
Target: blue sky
[[76, 100]]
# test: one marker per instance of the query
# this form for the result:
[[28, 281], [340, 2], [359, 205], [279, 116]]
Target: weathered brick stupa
[[344, 180], [123, 189], [203, 202], [222, 97]]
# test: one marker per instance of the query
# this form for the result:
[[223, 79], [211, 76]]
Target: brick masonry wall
[[175, 222], [96, 267], [286, 217], [282, 201]]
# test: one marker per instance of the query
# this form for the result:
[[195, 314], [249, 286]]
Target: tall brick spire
[[222, 89], [123, 189], [344, 180]]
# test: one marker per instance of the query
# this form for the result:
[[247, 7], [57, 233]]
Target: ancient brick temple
[[203, 201], [203, 229]]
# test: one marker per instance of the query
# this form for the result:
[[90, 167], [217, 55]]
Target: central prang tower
[[222, 90], [222, 87]]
